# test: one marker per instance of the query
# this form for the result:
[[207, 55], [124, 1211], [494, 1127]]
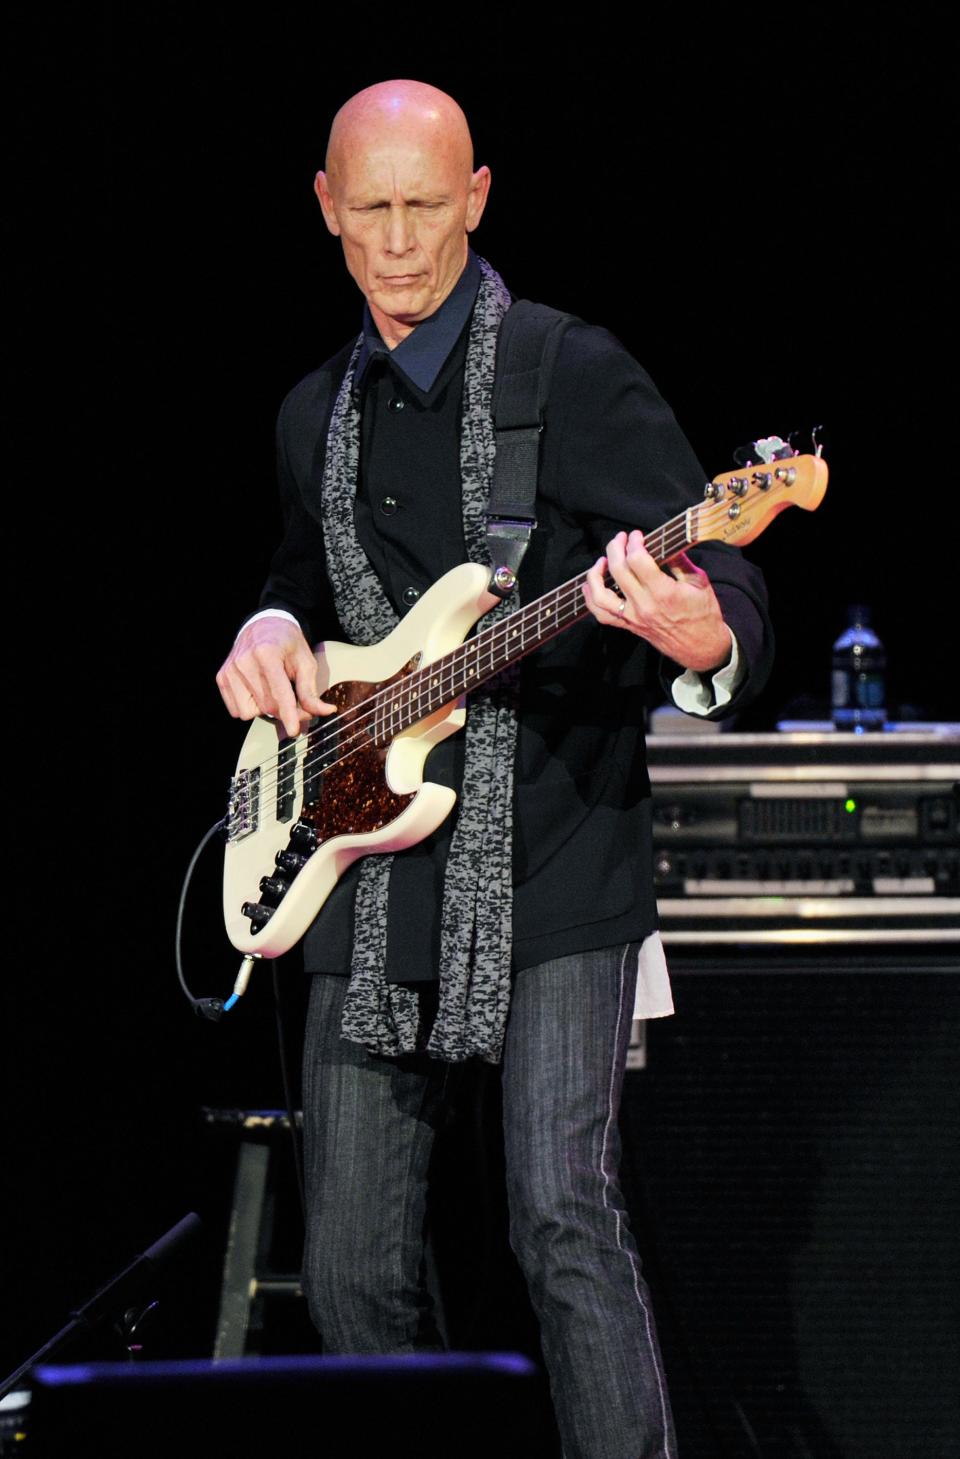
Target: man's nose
[[400, 232]]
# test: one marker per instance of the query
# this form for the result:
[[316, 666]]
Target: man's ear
[[477, 198], [325, 199]]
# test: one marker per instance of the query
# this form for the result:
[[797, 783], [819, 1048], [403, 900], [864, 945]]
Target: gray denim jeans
[[369, 1127]]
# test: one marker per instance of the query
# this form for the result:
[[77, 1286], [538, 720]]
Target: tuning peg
[[765, 450]]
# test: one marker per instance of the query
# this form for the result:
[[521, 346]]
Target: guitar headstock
[[740, 504]]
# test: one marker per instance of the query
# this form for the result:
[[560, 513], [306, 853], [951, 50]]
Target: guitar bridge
[[243, 806]]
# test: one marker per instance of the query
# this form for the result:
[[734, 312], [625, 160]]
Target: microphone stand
[[113, 1300]]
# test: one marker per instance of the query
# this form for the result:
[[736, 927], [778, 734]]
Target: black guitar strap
[[527, 347]]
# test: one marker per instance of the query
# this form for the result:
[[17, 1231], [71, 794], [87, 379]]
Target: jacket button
[[410, 596], [395, 403], [389, 505]]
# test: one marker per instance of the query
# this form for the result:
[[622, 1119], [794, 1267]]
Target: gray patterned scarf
[[476, 922]]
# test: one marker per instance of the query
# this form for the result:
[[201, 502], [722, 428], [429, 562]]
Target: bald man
[[524, 927]]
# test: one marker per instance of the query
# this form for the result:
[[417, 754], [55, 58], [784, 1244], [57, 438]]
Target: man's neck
[[392, 331]]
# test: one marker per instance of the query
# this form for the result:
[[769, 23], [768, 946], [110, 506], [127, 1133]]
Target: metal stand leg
[[240, 1260]]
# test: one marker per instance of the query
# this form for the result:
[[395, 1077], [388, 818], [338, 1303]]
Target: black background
[[758, 209]]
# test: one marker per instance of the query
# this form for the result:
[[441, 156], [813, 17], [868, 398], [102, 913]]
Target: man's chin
[[406, 306]]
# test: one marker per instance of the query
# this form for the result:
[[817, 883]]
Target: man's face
[[402, 206]]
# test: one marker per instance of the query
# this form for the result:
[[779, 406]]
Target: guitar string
[[385, 698], [384, 702], [400, 695]]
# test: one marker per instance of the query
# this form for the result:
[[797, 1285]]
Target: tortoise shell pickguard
[[354, 796]]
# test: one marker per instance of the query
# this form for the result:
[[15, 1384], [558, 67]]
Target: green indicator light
[[850, 806]]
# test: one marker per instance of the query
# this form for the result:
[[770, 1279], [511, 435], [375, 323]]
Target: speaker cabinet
[[791, 1164]]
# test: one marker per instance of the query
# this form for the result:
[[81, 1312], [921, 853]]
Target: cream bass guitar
[[302, 810]]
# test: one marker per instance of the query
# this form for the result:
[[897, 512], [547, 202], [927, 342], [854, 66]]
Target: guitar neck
[[509, 639], [737, 507]]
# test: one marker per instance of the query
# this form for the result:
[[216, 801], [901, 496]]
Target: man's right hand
[[271, 670]]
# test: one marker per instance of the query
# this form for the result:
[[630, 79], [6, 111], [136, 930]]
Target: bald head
[[400, 192], [409, 109]]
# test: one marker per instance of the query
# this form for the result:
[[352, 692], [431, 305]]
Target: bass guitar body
[[302, 810]]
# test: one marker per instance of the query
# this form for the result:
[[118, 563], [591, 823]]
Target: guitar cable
[[214, 1008], [211, 1008]]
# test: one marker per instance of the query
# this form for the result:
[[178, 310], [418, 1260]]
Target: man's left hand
[[676, 611]]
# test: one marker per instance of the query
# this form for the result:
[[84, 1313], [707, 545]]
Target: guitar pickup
[[243, 806], [286, 781]]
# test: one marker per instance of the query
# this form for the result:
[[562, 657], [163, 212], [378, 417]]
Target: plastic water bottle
[[859, 678]]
